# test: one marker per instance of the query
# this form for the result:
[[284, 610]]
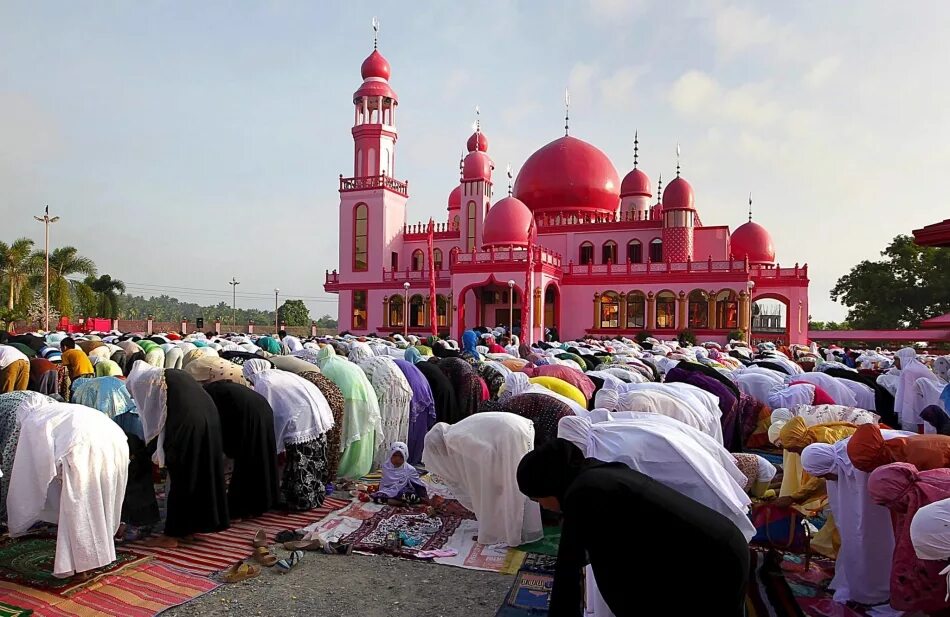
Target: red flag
[[526, 327], [433, 315]]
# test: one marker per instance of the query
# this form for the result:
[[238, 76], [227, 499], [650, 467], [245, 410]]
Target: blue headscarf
[[470, 342], [412, 355]]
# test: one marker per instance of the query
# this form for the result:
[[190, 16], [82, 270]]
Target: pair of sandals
[[264, 556]]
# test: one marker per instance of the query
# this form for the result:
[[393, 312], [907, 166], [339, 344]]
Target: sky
[[184, 143]]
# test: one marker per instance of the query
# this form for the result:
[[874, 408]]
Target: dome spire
[[375, 32], [509, 179], [677, 160], [636, 147], [478, 121], [750, 207], [567, 111], [659, 188]]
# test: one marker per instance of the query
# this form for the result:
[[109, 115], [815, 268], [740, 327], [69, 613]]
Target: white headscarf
[[254, 367], [301, 412], [147, 386]]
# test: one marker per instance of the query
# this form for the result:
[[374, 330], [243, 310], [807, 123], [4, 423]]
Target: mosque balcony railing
[[382, 181], [709, 266], [517, 257], [420, 231], [553, 221], [399, 276]]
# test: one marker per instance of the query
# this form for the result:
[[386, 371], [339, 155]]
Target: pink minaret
[[678, 218], [476, 189], [374, 120]]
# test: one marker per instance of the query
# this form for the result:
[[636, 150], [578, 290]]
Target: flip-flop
[[308, 543], [264, 557], [240, 572], [286, 565], [260, 539]]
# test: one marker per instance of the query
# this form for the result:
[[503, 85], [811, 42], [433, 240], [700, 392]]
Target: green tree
[[17, 262], [65, 262], [910, 284], [107, 290], [328, 322], [86, 298], [294, 313]]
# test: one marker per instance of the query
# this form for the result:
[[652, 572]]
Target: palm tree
[[63, 262], [108, 289], [16, 264]]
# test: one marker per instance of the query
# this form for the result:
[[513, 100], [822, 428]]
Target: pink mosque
[[571, 246]]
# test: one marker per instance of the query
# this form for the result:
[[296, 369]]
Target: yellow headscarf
[[796, 434]]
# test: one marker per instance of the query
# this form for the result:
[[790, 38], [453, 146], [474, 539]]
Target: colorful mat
[[140, 591], [547, 545], [412, 526], [213, 552], [8, 610], [28, 561], [530, 594]]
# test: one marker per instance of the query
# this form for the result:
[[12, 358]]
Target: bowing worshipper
[[209, 369], [174, 357], [131, 353], [911, 369], [292, 342], [108, 368], [493, 373], [863, 566], [360, 351], [916, 585], [247, 430], [301, 419], [70, 469], [930, 536], [559, 477], [935, 416], [443, 393], [836, 388], [565, 373], [478, 458], [400, 483], [10, 423], [466, 385], [561, 387], [517, 383], [270, 345], [422, 414], [758, 471], [181, 426], [757, 382], [362, 427], [110, 396], [470, 351], [197, 353], [543, 411], [395, 397], [292, 364], [14, 369], [48, 378], [869, 449], [665, 402], [337, 404], [75, 360]]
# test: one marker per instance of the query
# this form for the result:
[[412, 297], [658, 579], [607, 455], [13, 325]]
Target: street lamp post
[[276, 326], [748, 337], [234, 283], [47, 220], [511, 307], [405, 310]]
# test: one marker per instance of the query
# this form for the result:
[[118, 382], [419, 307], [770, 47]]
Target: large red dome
[[753, 240], [569, 175], [507, 223], [678, 194], [455, 198], [375, 65], [635, 183]]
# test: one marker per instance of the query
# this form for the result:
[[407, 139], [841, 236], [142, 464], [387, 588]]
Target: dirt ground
[[358, 586]]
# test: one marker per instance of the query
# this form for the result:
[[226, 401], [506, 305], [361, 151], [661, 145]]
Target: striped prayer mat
[[213, 552], [142, 591]]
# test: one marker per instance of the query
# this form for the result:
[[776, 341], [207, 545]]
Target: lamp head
[[405, 285]]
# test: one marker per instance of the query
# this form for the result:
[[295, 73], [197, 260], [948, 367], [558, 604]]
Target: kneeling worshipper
[[400, 484], [467, 387], [302, 418], [870, 448], [334, 397], [70, 469], [247, 429], [916, 585], [422, 415], [395, 397], [558, 476], [863, 566], [478, 458], [181, 424], [10, 435], [14, 369]]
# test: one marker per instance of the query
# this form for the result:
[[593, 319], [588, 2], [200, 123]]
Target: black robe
[[442, 390], [194, 457], [140, 507], [247, 425], [467, 387], [883, 400]]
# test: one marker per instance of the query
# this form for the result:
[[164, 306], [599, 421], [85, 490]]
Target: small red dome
[[678, 194], [753, 240], [373, 89], [635, 183], [375, 65], [477, 141], [569, 175], [507, 223], [455, 198], [477, 166]]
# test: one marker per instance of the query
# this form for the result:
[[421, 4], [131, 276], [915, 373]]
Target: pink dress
[[916, 584]]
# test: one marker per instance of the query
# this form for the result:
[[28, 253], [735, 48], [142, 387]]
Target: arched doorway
[[552, 307], [491, 304], [770, 318]]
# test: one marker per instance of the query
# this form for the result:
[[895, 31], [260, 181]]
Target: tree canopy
[[294, 313], [910, 284]]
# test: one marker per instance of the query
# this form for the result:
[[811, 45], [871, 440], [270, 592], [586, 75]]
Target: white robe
[[841, 394], [71, 468], [905, 401], [478, 457]]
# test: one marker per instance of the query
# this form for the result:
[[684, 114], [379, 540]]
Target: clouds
[[591, 85]]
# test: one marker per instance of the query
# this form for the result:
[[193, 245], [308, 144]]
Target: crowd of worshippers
[[657, 433]]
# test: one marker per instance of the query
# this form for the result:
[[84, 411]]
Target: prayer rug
[[768, 593], [141, 591], [530, 594], [547, 545], [28, 561], [416, 530], [213, 552], [8, 610]]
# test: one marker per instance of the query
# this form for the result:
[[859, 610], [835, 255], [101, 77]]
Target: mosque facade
[[569, 246]]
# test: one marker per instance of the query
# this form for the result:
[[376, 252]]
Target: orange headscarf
[[868, 450]]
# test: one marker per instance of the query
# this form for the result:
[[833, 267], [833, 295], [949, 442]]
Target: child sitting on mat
[[400, 484]]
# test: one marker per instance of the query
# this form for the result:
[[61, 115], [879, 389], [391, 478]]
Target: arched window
[[666, 310], [698, 309], [455, 222], [609, 310], [359, 310], [635, 252], [417, 311], [636, 309], [727, 309], [656, 250], [418, 260], [608, 252], [359, 163], [371, 163], [470, 241], [396, 312], [437, 258], [586, 254], [360, 238], [442, 311]]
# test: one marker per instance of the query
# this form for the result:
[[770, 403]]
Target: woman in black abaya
[[634, 559], [247, 426]]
